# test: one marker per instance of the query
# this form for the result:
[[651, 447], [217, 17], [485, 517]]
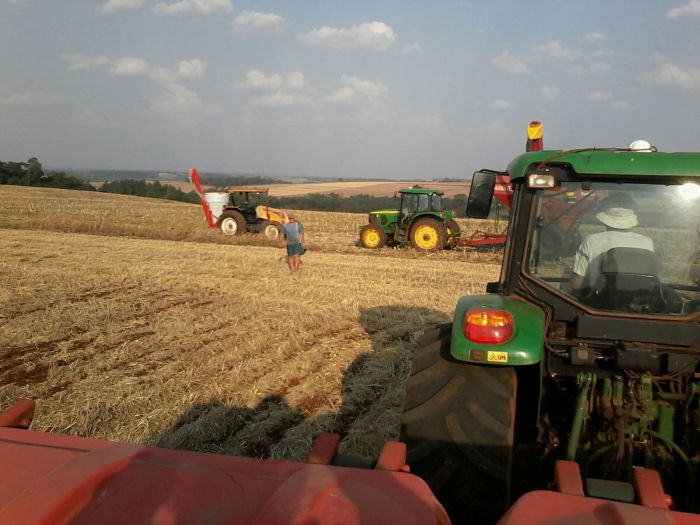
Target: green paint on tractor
[[586, 349], [419, 220]]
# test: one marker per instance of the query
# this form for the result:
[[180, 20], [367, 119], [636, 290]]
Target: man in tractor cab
[[618, 214]]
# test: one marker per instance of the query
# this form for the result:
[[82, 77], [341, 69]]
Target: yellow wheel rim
[[371, 238], [426, 237]]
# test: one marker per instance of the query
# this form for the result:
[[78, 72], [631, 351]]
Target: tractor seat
[[628, 282]]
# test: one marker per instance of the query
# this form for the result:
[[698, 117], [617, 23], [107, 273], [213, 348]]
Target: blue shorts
[[295, 249]]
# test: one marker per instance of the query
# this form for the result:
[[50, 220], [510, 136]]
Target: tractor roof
[[611, 162], [423, 191], [248, 190]]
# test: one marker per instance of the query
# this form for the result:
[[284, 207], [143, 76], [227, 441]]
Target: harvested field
[[376, 188], [110, 214], [122, 327]]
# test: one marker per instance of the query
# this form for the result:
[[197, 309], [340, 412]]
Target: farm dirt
[[214, 347]]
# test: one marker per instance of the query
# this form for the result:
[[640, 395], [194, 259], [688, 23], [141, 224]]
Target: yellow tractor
[[240, 210], [241, 214]]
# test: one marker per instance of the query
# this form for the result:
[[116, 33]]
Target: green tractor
[[420, 220], [586, 351]]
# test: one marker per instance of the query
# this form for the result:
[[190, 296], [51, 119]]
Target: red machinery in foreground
[[52, 479], [503, 192]]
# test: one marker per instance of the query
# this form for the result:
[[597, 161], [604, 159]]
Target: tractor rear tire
[[232, 223], [458, 425], [372, 237], [427, 235], [271, 230]]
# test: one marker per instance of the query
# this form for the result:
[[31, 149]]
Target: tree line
[[31, 173]]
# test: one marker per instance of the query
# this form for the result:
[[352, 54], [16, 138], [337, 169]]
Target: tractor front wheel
[[458, 425], [427, 235], [232, 223], [271, 230], [372, 237]]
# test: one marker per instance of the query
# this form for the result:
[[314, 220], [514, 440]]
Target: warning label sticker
[[497, 357]]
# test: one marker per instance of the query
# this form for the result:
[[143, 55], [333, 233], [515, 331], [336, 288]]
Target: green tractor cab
[[587, 348], [420, 221]]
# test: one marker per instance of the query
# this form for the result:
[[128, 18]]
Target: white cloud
[[295, 80], [368, 88], [197, 7], [82, 63], [137, 67], [256, 80], [593, 37], [500, 104], [370, 35], [411, 49], [356, 89], [692, 8], [554, 50], [344, 95], [508, 62], [594, 68], [671, 75], [250, 21], [130, 66], [177, 99], [281, 99], [600, 96], [31, 99], [549, 92], [119, 5], [194, 68]]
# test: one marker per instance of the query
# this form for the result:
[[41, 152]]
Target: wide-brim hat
[[618, 218]]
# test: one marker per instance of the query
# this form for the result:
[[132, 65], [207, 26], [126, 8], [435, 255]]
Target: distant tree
[[31, 173]]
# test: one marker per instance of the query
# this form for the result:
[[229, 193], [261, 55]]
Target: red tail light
[[488, 326]]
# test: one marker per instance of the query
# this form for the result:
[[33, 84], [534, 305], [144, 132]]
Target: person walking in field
[[294, 237]]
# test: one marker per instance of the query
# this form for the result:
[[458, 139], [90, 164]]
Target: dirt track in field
[[207, 346]]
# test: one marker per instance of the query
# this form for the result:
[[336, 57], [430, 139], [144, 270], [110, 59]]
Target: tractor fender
[[525, 347]]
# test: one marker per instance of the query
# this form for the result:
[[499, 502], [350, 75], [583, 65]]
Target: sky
[[329, 88]]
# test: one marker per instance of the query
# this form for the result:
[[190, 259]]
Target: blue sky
[[398, 89]]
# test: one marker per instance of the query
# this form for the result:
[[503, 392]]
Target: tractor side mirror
[[481, 194]]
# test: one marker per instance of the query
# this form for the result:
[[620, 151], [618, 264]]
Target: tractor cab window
[[423, 202], [436, 202], [409, 203], [632, 248]]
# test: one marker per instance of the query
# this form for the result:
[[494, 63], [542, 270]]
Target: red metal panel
[[649, 489], [567, 477], [325, 449], [51, 479], [393, 457], [553, 508], [19, 415]]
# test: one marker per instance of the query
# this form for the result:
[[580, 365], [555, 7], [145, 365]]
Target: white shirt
[[595, 245]]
